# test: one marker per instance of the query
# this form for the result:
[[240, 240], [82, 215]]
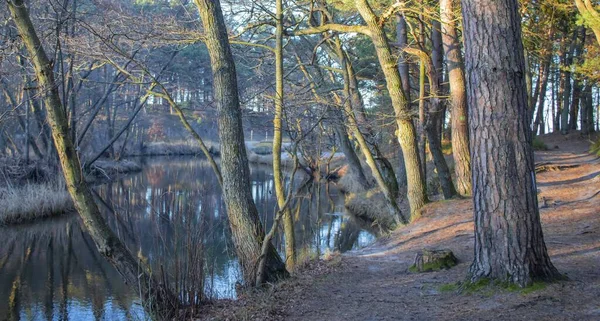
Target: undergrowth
[[538, 144], [595, 148], [488, 287]]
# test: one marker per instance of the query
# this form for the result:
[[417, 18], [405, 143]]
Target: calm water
[[170, 215]]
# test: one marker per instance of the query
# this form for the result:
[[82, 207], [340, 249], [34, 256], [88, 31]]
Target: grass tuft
[[539, 144], [20, 204], [595, 148], [449, 287]]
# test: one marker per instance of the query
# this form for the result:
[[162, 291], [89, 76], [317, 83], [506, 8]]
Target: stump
[[433, 260]]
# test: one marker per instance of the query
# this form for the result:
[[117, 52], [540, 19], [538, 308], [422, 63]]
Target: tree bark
[[458, 98], [430, 126], [543, 87], [577, 85], [564, 116], [288, 222], [158, 295], [246, 228], [416, 192], [509, 243]]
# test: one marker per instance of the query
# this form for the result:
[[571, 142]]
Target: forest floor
[[374, 283]]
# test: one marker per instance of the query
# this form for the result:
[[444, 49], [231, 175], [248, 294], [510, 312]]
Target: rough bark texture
[[155, 294], [406, 134], [509, 243], [458, 98], [246, 228]]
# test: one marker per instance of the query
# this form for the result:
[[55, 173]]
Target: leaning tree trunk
[[246, 228], [416, 192], [458, 98], [158, 295], [509, 243]]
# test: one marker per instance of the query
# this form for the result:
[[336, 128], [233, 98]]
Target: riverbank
[[34, 191], [374, 283]]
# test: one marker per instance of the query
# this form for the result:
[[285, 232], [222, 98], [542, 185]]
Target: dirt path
[[374, 284]]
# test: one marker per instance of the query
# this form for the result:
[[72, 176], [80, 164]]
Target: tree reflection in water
[[172, 215]]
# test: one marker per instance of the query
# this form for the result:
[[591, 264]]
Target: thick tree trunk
[[458, 98], [134, 273], [246, 228], [509, 243], [416, 192]]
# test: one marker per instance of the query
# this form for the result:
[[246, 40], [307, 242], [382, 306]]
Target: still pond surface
[[171, 215]]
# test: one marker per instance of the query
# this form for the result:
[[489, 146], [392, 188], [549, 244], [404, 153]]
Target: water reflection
[[170, 215]]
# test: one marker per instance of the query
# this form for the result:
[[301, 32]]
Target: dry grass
[[349, 182], [108, 168], [19, 204], [190, 147], [371, 207]]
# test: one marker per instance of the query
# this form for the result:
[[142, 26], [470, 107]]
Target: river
[[170, 215]]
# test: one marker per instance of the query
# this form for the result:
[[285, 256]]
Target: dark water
[[170, 215]]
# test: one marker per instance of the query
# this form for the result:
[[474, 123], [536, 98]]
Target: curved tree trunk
[[246, 228], [158, 295], [509, 243], [458, 98]]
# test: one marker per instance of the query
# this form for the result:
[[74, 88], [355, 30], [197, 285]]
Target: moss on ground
[[488, 287]]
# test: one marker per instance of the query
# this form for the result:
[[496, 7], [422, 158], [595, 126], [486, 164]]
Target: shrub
[[539, 144], [595, 148]]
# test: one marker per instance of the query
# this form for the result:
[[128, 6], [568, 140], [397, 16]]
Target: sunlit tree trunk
[[364, 147], [416, 192], [357, 103], [430, 126], [288, 222], [509, 243], [458, 98], [134, 273], [403, 68], [246, 228]]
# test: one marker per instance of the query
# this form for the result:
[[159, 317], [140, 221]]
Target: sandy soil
[[374, 283]]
